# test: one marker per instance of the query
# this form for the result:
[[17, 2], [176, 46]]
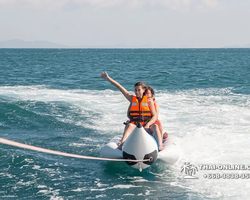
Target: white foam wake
[[212, 124]]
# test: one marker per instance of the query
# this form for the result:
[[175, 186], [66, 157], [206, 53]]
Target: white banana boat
[[142, 146]]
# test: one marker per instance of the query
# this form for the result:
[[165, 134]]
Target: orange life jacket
[[139, 111]]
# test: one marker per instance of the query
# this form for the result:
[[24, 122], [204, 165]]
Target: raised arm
[[128, 96]]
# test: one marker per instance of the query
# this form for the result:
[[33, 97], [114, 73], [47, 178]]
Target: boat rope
[[26, 146]]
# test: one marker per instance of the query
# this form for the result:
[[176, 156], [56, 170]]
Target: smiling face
[[139, 90], [148, 93]]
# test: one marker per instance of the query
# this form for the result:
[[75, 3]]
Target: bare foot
[[161, 148], [165, 135], [120, 145]]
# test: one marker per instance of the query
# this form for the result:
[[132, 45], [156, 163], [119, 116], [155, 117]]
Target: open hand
[[104, 75]]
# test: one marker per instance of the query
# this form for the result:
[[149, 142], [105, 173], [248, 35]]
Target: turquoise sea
[[55, 99]]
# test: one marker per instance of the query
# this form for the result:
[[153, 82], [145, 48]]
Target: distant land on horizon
[[17, 43]]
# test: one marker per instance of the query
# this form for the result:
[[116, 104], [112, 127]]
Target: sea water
[[55, 99]]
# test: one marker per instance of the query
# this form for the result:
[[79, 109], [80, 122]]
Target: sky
[[128, 23]]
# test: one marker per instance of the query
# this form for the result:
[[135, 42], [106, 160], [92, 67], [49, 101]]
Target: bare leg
[[130, 128], [125, 128], [165, 134], [157, 132], [158, 122]]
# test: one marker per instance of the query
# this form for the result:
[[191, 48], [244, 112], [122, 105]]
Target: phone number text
[[227, 176]]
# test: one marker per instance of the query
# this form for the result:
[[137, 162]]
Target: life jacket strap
[[140, 112], [136, 119]]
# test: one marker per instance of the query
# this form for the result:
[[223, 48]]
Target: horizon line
[[124, 47]]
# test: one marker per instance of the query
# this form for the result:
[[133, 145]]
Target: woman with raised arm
[[141, 110]]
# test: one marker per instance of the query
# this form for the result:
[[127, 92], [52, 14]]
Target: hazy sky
[[128, 23]]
